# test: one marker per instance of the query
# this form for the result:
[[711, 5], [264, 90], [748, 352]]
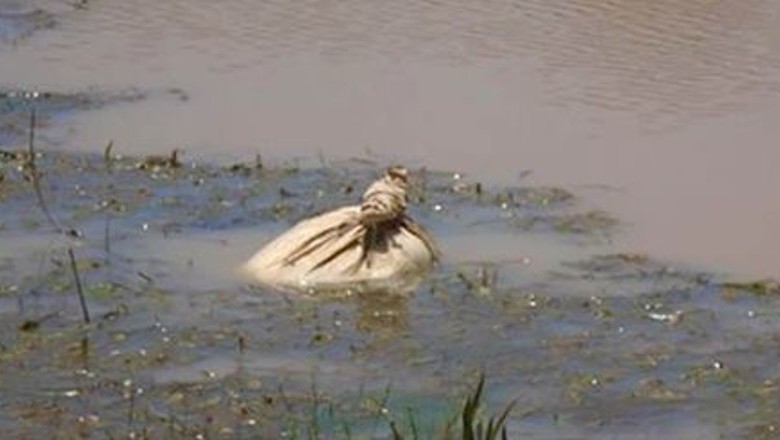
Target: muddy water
[[673, 105], [661, 113], [601, 346]]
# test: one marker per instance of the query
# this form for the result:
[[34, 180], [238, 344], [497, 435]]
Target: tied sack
[[373, 246]]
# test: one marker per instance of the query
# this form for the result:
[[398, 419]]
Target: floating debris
[[155, 162], [71, 393], [761, 287], [375, 245], [672, 318]]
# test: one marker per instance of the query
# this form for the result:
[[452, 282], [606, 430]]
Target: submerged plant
[[474, 426], [760, 287]]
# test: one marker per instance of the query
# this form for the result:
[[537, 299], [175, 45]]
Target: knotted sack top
[[375, 242]]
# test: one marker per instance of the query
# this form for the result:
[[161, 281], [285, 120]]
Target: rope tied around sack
[[383, 208], [385, 199]]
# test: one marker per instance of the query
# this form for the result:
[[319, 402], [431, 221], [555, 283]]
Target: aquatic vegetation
[[601, 345], [476, 429], [542, 210], [760, 287], [532, 196], [470, 423]]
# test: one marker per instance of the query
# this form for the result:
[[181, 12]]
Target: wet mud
[[177, 345]]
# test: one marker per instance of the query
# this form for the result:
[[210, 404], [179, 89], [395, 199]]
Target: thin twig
[[108, 159], [107, 239], [382, 406], [146, 277], [79, 289], [315, 426], [35, 177], [241, 344], [131, 409], [85, 351]]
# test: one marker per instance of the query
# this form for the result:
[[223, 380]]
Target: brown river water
[[665, 113]]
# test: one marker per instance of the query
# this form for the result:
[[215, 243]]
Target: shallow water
[[657, 119], [597, 345], [673, 105]]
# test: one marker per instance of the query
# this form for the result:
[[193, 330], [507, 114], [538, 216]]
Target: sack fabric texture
[[373, 246]]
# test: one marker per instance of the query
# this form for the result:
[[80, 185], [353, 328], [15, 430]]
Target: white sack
[[374, 246]]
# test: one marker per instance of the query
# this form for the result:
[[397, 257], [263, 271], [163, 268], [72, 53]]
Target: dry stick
[[108, 162], [79, 289], [107, 158], [107, 248], [36, 182], [107, 239], [315, 427], [131, 409], [85, 351]]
